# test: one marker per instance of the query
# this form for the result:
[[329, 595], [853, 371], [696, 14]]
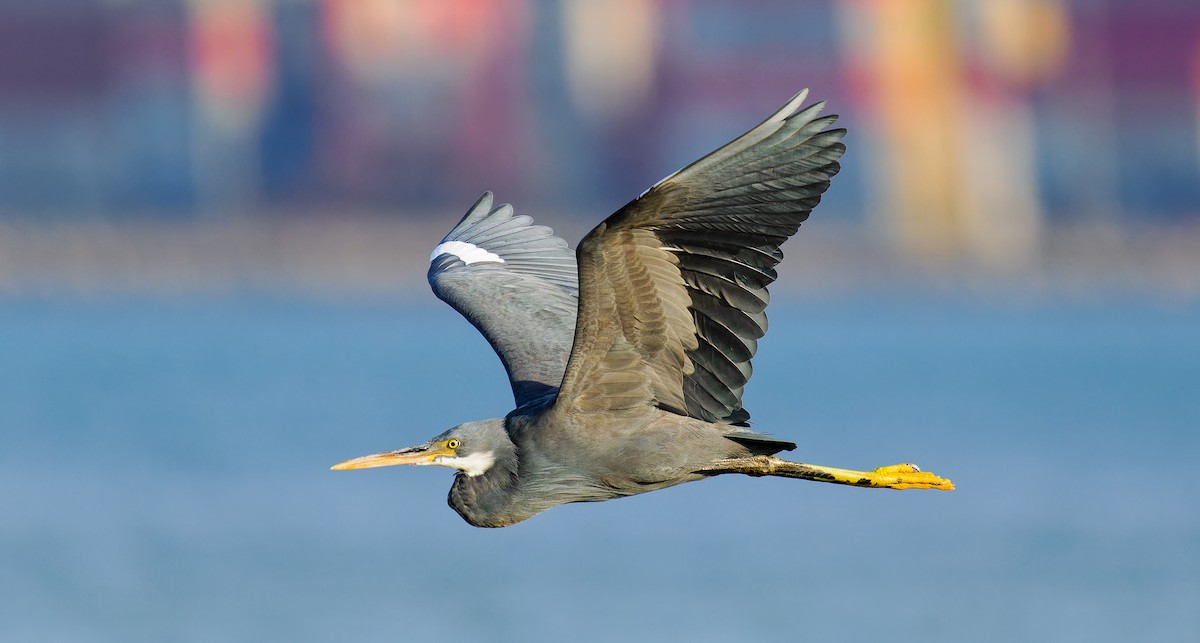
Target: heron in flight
[[628, 357]]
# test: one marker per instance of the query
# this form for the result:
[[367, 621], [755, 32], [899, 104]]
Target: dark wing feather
[[673, 287], [517, 283]]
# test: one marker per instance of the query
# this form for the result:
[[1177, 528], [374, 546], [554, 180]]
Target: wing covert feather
[[517, 284], [673, 286]]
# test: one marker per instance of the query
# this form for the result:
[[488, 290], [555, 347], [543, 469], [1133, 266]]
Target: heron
[[627, 358]]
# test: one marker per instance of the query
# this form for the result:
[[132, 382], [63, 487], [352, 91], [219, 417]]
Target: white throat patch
[[468, 252], [473, 465]]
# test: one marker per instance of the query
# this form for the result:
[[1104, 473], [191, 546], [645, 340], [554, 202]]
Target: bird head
[[471, 448]]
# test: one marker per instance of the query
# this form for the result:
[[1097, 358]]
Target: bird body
[[627, 359], [536, 462]]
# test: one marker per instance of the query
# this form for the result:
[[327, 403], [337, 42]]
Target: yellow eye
[[452, 443]]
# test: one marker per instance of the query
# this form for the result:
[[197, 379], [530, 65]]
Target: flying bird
[[628, 357]]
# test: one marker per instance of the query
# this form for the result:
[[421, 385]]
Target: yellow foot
[[907, 476]]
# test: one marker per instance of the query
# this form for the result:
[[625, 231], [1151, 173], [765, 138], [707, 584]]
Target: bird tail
[[760, 443]]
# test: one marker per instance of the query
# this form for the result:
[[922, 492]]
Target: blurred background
[[215, 218], [295, 140]]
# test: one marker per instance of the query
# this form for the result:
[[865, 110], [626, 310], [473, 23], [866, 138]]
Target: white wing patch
[[468, 252]]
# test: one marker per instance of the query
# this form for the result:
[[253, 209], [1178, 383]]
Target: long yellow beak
[[423, 454]]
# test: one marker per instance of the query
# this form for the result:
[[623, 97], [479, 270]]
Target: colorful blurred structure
[[974, 125], [955, 125]]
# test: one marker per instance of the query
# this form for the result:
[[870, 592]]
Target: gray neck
[[521, 483], [499, 498], [487, 500]]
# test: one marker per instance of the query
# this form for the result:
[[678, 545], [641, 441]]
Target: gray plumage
[[628, 358], [524, 304]]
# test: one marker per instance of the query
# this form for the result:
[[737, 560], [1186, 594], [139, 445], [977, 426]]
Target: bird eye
[[452, 443]]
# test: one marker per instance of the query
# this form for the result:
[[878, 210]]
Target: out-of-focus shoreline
[[371, 255]]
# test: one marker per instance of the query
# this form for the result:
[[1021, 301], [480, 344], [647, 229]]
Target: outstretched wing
[[673, 286], [516, 282]]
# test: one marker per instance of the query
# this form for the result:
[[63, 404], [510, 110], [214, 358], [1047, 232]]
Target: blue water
[[164, 477]]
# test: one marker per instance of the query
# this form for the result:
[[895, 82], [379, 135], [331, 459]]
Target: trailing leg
[[896, 476]]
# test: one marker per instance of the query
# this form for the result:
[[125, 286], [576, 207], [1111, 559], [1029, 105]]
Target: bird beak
[[422, 454]]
